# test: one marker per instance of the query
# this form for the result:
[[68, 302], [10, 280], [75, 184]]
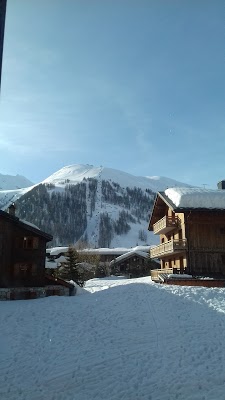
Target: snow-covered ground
[[118, 340]]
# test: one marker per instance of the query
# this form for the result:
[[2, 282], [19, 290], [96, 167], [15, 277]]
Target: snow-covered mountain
[[12, 188], [102, 206], [9, 182], [8, 197], [76, 173]]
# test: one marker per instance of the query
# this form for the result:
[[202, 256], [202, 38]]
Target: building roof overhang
[[26, 226], [162, 198]]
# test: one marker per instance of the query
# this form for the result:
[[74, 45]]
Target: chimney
[[221, 185], [12, 209]]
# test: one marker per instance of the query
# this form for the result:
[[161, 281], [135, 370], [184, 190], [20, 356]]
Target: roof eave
[[166, 200], [37, 231], [23, 225]]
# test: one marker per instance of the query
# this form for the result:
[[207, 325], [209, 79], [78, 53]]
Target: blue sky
[[136, 85]]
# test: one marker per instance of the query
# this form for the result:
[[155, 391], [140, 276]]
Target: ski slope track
[[118, 340]]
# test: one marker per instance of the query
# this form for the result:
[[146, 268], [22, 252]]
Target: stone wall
[[25, 293]]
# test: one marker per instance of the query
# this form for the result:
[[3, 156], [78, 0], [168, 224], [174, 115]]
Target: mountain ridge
[[78, 172], [102, 206], [10, 182]]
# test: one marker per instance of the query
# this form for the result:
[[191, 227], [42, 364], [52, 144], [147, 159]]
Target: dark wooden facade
[[22, 253], [131, 264], [205, 232], [191, 240]]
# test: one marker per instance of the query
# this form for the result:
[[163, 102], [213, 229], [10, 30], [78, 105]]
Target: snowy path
[[123, 340]]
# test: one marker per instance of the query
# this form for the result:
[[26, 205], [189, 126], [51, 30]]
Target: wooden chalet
[[132, 264], [190, 223], [22, 261], [22, 252]]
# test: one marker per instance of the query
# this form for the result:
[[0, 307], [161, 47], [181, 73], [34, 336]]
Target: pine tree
[[70, 269]]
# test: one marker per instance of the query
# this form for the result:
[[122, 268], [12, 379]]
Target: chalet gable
[[130, 254], [24, 225], [160, 208], [182, 200]]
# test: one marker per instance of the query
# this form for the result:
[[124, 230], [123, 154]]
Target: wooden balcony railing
[[155, 273], [166, 224], [170, 247]]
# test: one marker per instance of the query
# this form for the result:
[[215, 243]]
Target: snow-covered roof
[[29, 223], [54, 251], [196, 198], [117, 250], [130, 254]]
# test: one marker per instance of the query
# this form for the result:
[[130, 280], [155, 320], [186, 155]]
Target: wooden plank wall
[[206, 241]]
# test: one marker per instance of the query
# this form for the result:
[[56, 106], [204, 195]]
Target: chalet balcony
[[165, 225], [167, 248], [156, 272]]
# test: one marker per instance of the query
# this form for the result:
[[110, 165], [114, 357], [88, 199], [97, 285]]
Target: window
[[27, 242], [24, 270]]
